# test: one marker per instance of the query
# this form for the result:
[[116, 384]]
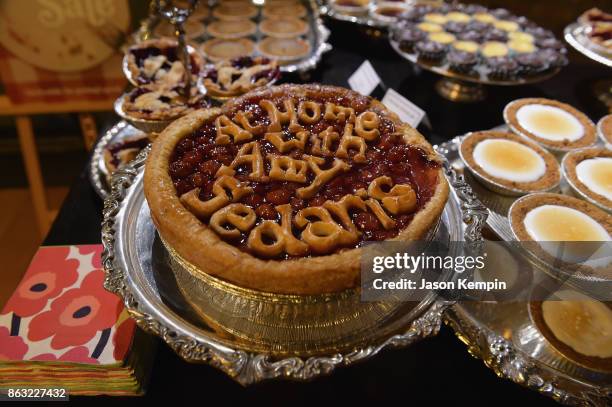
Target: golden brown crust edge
[[205, 250], [590, 132]]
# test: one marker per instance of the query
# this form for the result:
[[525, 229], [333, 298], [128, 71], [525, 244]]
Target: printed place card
[[406, 110], [365, 79]]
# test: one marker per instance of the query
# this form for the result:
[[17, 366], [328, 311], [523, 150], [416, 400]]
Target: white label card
[[365, 79], [406, 110]]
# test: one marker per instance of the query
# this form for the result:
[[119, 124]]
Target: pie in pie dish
[[578, 326], [555, 222], [231, 29], [283, 27], [158, 61], [510, 162], [238, 76], [151, 102], [219, 49], [554, 125], [589, 173], [122, 152], [604, 129], [600, 24], [278, 190], [234, 11], [284, 49], [280, 10]]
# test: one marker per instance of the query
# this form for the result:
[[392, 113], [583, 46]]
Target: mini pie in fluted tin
[[278, 190]]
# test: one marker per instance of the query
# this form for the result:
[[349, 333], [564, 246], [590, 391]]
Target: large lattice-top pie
[[278, 190]]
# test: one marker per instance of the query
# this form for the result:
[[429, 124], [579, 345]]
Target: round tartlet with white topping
[[552, 124], [589, 173], [569, 232], [577, 326], [510, 162], [278, 190], [604, 129]]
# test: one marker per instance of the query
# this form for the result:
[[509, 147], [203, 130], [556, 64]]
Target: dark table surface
[[434, 370]]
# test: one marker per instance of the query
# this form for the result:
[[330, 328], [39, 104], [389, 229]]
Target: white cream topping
[[550, 122], [596, 174], [509, 160], [553, 226]]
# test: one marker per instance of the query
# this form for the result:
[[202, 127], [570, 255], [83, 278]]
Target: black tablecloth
[[434, 370]]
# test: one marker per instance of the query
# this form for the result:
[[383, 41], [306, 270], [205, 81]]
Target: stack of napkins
[[62, 329]]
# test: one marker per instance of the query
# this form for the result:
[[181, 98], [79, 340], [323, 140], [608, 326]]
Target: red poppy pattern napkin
[[61, 328], [60, 311]]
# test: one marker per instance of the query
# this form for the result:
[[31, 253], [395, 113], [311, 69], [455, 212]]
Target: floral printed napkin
[[60, 320]]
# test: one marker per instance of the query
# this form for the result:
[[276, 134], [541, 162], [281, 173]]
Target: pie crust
[[572, 159], [284, 49], [589, 137], [549, 180], [283, 27], [231, 29], [200, 244], [234, 11], [238, 76], [591, 362], [219, 49], [294, 10], [159, 46]]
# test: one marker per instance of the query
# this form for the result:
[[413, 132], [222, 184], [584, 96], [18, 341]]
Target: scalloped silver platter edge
[[366, 20], [525, 357], [318, 36], [125, 212], [574, 36]]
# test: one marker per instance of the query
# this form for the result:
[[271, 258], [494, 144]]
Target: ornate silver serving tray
[[576, 35], [365, 20], [504, 335], [98, 173], [136, 265], [508, 342], [317, 37]]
